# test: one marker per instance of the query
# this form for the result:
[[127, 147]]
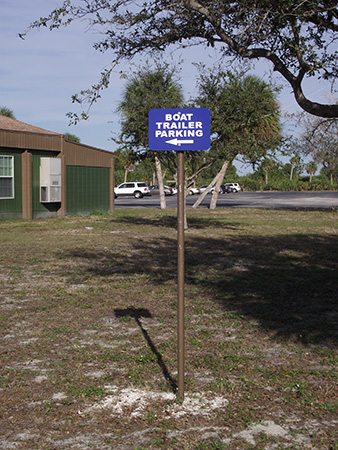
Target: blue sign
[[179, 129]]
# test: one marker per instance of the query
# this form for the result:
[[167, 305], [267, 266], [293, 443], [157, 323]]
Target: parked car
[[235, 186], [155, 190], [194, 190], [222, 190], [137, 189], [203, 188]]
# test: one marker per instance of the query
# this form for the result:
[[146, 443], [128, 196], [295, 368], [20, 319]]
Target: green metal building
[[44, 175]]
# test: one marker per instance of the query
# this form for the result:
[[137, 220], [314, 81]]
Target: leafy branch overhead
[[298, 37]]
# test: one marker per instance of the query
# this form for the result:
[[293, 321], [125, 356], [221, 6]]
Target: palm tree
[[147, 89], [245, 119], [4, 111], [127, 158], [311, 168], [267, 165], [294, 161]]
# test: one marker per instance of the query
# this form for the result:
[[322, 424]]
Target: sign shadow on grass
[[137, 314]]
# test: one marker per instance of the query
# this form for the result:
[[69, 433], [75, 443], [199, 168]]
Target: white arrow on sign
[[180, 141]]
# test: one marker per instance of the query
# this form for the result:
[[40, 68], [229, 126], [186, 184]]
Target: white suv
[[138, 189], [234, 186]]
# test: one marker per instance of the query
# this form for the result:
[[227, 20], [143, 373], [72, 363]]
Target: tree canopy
[[298, 37], [72, 137]]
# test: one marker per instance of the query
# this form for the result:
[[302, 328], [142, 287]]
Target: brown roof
[[15, 134], [6, 123]]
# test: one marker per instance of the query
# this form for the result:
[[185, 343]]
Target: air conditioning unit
[[50, 180]]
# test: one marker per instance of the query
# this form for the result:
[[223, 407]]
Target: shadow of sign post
[[137, 314]]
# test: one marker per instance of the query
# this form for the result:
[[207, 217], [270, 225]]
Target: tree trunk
[[291, 172], [205, 193], [160, 182], [125, 175], [219, 181], [266, 177]]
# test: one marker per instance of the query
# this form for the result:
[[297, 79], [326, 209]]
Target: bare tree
[[320, 140]]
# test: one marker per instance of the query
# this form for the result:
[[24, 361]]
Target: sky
[[39, 75]]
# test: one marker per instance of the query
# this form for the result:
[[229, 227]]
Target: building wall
[[13, 208], [87, 176], [87, 189], [82, 155]]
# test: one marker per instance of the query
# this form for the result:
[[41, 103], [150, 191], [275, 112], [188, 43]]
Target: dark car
[[226, 189], [155, 190]]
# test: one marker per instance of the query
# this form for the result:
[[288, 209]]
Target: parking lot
[[278, 200]]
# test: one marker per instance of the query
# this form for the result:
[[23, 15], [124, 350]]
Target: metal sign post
[[180, 277], [180, 130]]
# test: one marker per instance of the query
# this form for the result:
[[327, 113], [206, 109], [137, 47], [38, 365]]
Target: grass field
[[88, 331]]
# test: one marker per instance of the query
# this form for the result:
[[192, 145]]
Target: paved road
[[280, 200]]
